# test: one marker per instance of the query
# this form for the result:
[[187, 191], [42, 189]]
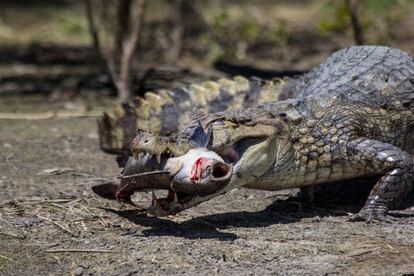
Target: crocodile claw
[[369, 216]]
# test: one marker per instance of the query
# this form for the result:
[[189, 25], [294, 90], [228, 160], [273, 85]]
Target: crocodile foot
[[370, 216]]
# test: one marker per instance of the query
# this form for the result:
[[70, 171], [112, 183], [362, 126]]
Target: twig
[[4, 257], [143, 174], [101, 219], [58, 205], [58, 200], [74, 250], [19, 237], [360, 252], [58, 225], [47, 115], [40, 201]]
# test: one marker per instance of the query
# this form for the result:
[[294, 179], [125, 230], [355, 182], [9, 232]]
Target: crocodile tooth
[[175, 198], [154, 199], [158, 157]]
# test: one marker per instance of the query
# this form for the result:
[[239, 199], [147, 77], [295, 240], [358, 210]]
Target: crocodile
[[350, 117]]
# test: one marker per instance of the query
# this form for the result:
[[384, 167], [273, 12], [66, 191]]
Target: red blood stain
[[196, 170]]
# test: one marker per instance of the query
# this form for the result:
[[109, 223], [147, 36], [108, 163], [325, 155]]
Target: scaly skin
[[167, 112], [352, 116]]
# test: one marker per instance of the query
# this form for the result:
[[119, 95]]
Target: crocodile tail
[[168, 111]]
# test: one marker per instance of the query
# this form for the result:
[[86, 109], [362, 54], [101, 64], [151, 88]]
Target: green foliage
[[71, 24], [230, 37], [280, 34], [3, 263], [221, 19], [337, 18], [249, 30], [381, 7], [376, 17], [215, 50]]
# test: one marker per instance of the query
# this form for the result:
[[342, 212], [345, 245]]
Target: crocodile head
[[250, 141]]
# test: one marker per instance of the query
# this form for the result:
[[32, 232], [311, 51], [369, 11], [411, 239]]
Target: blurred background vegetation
[[96, 48]]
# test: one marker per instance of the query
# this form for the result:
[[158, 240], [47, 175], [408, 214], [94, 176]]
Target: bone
[[142, 174], [145, 181], [138, 175]]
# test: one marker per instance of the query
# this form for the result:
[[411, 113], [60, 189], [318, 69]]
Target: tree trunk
[[177, 31], [123, 12], [129, 45], [124, 90], [124, 27], [92, 27], [356, 24]]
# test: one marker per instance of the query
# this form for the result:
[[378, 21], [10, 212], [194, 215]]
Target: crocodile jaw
[[249, 144]]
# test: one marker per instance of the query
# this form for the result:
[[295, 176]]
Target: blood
[[196, 170]]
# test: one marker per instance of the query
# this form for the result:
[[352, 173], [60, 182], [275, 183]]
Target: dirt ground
[[52, 224]]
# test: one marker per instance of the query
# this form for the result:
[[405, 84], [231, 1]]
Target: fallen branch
[[360, 252], [7, 234], [77, 250]]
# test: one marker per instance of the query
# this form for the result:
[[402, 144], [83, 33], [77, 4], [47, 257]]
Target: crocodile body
[[352, 116]]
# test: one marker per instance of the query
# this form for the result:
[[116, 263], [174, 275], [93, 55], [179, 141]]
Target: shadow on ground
[[330, 201], [207, 227]]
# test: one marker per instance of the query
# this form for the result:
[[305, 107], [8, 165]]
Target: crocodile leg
[[396, 167]]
